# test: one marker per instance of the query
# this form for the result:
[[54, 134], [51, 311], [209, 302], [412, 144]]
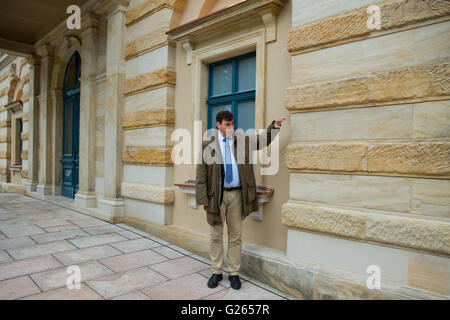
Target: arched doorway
[[71, 127]]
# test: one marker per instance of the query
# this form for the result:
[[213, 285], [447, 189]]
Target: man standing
[[227, 190]]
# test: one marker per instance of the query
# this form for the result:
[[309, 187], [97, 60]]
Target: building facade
[[358, 188]]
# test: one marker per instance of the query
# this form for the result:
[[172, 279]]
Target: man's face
[[226, 128]]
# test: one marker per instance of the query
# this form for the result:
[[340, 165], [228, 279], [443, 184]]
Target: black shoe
[[235, 282], [214, 280]]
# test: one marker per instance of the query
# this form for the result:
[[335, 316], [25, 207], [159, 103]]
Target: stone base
[[86, 200], [113, 208], [44, 190], [30, 186], [403, 267], [11, 187], [56, 190], [297, 278]]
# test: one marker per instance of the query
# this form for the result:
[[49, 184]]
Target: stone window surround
[[16, 110]]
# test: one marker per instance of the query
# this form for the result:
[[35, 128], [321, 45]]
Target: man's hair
[[224, 115]]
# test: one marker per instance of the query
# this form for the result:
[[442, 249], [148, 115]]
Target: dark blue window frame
[[232, 98]]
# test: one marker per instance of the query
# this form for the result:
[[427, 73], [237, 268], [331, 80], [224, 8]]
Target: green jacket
[[210, 173]]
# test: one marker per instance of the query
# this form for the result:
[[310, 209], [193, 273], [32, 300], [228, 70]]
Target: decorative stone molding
[[147, 8], [5, 124], [425, 82], [5, 155], [146, 192], [108, 7], [24, 154], [431, 158], [352, 26], [158, 156], [5, 139], [147, 43], [408, 158], [5, 75], [46, 50], [239, 15], [70, 41], [188, 45], [14, 107], [24, 174], [3, 92], [150, 81], [369, 226], [149, 118]]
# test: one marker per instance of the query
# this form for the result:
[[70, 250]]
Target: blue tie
[[228, 167]]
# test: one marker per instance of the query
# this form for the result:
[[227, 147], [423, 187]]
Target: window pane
[[68, 126], [215, 110], [246, 115], [222, 79], [247, 74]]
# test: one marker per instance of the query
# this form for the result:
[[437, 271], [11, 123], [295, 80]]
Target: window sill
[[264, 193], [16, 167]]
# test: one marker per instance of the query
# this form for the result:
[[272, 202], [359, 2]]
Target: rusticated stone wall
[[148, 118], [369, 155]]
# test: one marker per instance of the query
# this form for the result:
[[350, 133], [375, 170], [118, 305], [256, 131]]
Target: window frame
[[235, 96]]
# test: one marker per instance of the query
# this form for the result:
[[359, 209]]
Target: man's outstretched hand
[[278, 122]]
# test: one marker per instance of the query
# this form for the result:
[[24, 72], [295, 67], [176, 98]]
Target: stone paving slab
[[6, 215], [130, 235], [168, 252], [179, 267], [40, 249], [135, 245], [17, 288], [15, 222], [180, 250], [62, 228], [98, 240], [88, 222], [135, 295], [86, 254], [45, 223], [5, 257], [59, 235], [57, 278], [20, 230], [84, 293], [132, 260], [16, 242], [109, 228], [117, 261], [248, 291], [119, 284], [190, 287], [22, 267]]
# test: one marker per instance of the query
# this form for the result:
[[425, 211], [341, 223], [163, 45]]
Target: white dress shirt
[[236, 182]]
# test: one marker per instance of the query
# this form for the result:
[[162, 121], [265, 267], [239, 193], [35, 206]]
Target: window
[[20, 139], [232, 87]]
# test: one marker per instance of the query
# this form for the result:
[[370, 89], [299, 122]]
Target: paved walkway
[[40, 240]]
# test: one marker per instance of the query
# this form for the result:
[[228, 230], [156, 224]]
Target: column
[[45, 143], [112, 203], [33, 124], [86, 196]]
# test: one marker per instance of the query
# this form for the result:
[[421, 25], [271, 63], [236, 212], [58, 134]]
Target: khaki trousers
[[231, 212]]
